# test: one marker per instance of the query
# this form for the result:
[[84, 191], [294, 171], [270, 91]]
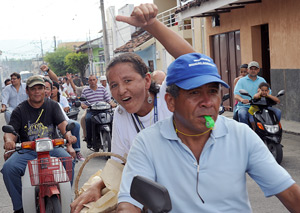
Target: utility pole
[[42, 50], [105, 39], [54, 38], [91, 58]]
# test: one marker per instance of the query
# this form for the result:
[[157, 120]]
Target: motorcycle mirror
[[151, 194], [280, 93], [8, 129], [70, 126], [225, 97], [244, 92]]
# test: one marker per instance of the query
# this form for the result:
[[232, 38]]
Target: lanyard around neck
[[140, 122]]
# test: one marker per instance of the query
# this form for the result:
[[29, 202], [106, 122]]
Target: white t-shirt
[[68, 88], [63, 101], [124, 130], [64, 113]]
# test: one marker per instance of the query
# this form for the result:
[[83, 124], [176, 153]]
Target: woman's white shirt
[[124, 130]]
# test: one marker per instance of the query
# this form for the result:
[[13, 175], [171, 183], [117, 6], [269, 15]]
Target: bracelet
[[48, 70]]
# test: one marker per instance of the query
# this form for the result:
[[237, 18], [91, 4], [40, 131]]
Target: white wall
[[119, 33]]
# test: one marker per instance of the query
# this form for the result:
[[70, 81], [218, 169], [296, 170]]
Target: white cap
[[102, 78]]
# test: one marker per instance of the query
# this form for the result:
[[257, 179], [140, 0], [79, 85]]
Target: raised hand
[[141, 16]]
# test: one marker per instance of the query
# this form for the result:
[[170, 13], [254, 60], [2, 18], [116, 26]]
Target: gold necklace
[[176, 130]]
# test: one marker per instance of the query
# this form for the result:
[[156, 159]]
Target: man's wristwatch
[[47, 70]]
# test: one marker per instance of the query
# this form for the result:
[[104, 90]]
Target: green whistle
[[209, 121]]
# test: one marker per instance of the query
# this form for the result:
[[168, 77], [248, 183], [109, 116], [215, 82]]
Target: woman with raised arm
[[141, 101]]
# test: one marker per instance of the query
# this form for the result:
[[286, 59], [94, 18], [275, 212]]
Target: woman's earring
[[149, 99]]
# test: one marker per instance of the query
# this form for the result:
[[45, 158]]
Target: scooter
[[151, 194], [267, 125], [74, 107], [46, 183], [222, 108], [101, 126]]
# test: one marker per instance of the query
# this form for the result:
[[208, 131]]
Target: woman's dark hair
[[55, 84], [264, 84], [138, 64]]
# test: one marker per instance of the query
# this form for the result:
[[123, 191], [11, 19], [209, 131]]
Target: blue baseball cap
[[193, 70]]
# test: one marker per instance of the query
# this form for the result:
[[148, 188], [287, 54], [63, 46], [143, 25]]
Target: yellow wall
[[283, 18]]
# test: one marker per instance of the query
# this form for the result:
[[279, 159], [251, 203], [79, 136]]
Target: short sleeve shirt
[[32, 123]]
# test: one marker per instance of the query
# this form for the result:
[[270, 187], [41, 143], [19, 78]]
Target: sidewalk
[[292, 127]]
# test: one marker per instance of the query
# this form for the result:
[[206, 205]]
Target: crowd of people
[[161, 126]]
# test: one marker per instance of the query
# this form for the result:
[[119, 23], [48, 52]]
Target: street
[[291, 158]]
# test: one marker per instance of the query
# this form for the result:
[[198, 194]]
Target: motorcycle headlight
[[100, 106], [43, 145], [272, 128]]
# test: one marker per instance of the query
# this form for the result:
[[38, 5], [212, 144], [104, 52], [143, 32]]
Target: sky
[[28, 26]]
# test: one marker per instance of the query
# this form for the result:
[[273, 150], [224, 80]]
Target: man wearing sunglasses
[[12, 95]]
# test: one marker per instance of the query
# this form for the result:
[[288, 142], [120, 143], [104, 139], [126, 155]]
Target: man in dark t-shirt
[[34, 118]]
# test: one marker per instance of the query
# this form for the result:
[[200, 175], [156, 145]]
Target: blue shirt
[[12, 98], [231, 151], [250, 86]]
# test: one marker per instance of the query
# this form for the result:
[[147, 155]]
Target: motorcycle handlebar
[[31, 144]]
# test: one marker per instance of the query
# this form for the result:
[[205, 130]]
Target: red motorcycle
[[46, 183]]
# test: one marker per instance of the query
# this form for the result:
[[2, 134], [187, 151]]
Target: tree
[[77, 62], [56, 61]]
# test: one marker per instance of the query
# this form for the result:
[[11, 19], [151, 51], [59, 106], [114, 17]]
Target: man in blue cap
[[200, 157]]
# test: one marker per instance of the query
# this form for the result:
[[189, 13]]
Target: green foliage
[[77, 62], [56, 61]]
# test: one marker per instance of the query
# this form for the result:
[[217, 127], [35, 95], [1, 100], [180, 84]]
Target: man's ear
[[170, 100]]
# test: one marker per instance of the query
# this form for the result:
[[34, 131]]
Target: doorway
[[265, 50], [227, 56]]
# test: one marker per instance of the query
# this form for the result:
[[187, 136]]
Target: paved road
[[90, 168], [259, 203]]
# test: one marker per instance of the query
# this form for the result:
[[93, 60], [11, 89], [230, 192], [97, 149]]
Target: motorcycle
[[74, 103], [151, 194], [46, 183], [222, 108], [267, 125], [101, 126]]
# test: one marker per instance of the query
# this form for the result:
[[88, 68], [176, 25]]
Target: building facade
[[266, 31]]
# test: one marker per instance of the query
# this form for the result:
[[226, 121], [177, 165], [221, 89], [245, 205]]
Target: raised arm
[[51, 74], [145, 16], [71, 82]]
